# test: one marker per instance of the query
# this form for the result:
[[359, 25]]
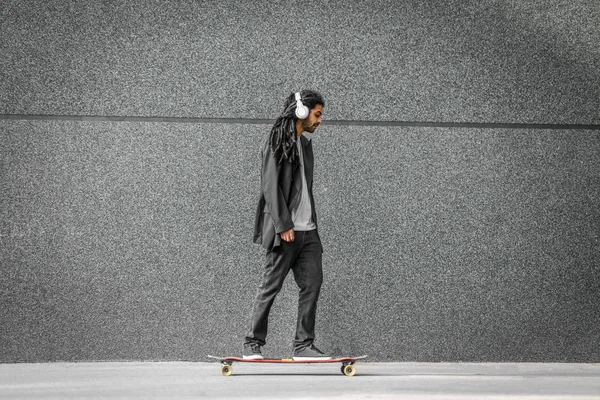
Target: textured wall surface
[[479, 61], [124, 240], [132, 240]]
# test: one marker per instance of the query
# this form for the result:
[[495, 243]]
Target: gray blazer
[[281, 189]]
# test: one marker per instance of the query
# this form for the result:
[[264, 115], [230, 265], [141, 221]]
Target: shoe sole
[[253, 357]]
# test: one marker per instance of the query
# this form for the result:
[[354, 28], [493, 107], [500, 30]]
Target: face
[[314, 119]]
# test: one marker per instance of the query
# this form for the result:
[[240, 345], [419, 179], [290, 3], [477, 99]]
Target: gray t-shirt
[[302, 215]]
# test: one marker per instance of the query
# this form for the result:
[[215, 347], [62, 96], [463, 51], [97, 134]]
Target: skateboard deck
[[347, 369]]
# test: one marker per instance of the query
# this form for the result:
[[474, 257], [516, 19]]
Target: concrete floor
[[182, 380]]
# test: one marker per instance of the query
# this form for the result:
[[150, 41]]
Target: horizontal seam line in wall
[[481, 125]]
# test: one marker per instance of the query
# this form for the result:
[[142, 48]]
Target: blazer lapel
[[296, 189], [307, 152]]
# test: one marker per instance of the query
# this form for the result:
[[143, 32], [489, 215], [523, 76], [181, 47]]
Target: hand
[[287, 236]]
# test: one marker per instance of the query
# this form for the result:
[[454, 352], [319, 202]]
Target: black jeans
[[304, 257]]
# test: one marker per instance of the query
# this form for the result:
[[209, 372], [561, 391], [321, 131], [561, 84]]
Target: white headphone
[[301, 110]]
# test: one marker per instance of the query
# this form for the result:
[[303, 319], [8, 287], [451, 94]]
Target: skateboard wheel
[[226, 369], [349, 370]]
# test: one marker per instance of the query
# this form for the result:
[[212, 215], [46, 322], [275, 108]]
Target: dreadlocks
[[283, 134]]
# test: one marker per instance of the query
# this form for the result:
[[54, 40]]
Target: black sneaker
[[310, 353], [252, 352]]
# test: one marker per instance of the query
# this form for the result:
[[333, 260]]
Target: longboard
[[347, 369]]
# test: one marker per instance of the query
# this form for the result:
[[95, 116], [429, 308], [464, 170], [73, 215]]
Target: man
[[286, 224]]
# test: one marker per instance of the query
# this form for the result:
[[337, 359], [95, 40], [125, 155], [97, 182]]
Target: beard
[[307, 126]]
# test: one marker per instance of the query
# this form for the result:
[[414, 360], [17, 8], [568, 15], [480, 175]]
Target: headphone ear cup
[[301, 110]]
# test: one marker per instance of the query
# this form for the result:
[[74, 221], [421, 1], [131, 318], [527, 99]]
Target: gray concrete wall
[[455, 229]]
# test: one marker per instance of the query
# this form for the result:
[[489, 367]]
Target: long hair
[[282, 138]]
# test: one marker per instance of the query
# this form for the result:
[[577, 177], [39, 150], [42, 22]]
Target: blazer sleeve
[[276, 204]]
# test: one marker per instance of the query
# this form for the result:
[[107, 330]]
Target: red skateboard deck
[[347, 369]]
